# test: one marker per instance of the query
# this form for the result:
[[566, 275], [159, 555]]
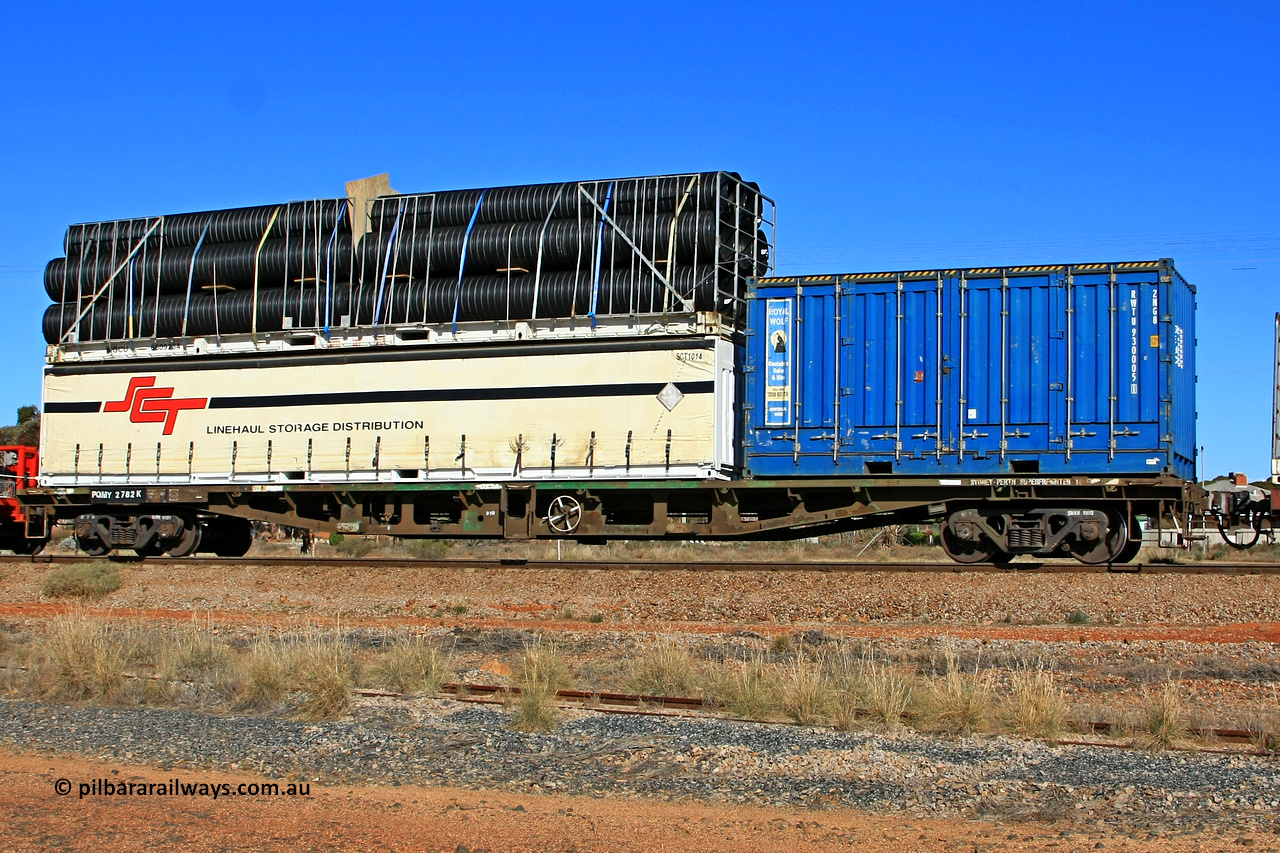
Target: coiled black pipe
[[559, 244], [279, 263], [230, 312], [497, 297], [563, 293], [535, 201], [236, 225]]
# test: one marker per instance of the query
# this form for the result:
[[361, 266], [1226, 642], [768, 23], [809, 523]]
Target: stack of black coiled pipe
[[118, 277], [272, 245], [628, 246], [702, 228], [441, 300]]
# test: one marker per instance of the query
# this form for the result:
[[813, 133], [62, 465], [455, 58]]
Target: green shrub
[[355, 546], [424, 549], [83, 580], [336, 539]]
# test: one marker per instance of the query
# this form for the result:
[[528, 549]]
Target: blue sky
[[901, 135]]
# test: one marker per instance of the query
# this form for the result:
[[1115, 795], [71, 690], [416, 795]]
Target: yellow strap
[[253, 328]]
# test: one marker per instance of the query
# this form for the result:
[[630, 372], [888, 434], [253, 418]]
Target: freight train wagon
[[642, 379]]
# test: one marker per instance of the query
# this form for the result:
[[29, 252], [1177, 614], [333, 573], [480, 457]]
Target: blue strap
[[462, 264], [191, 274], [328, 272], [595, 285], [386, 263]]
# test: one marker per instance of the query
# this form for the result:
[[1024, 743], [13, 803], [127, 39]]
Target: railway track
[[517, 564], [629, 703]]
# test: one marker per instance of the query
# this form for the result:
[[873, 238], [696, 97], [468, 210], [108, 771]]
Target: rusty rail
[[631, 703]]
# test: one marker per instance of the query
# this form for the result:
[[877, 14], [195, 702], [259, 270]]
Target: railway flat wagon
[[596, 360]]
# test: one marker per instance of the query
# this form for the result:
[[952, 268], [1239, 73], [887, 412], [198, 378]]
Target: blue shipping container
[[1070, 369]]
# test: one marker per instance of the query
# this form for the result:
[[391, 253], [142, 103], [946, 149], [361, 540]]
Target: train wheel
[[92, 545], [187, 543], [232, 537], [1109, 548], [981, 551]]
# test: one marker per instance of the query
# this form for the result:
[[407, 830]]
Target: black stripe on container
[[71, 408], [454, 395]]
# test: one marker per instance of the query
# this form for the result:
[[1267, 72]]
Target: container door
[[1030, 417], [921, 333], [818, 376], [1139, 391], [1091, 374], [984, 333], [869, 413]]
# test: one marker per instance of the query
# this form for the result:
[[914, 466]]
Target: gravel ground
[[442, 742], [621, 597]]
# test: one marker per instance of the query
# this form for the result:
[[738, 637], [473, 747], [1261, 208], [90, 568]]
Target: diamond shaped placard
[[670, 396]]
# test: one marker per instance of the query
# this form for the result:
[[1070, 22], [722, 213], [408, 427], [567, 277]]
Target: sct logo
[[147, 404]]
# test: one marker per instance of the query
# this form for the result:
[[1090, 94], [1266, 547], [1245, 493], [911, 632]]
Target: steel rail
[[517, 563], [631, 703]]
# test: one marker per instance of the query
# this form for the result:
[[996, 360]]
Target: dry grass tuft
[[324, 671], [541, 666], [543, 672], [875, 690], [1035, 707], [193, 653], [808, 696], [751, 692], [958, 702], [80, 659], [264, 676], [535, 710], [411, 667], [665, 669], [83, 580], [1163, 723]]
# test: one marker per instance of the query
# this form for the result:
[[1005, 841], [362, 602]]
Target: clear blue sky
[[892, 135]]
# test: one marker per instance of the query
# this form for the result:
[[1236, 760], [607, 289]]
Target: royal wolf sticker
[[777, 375]]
